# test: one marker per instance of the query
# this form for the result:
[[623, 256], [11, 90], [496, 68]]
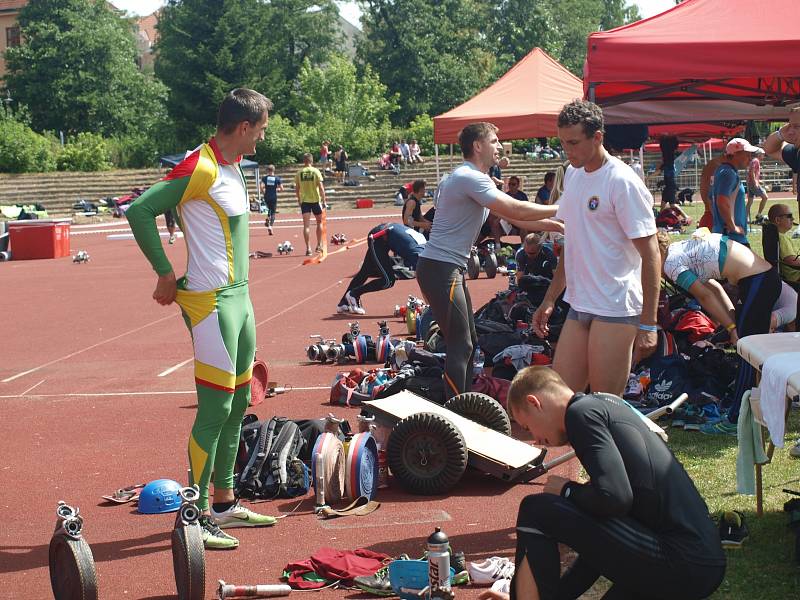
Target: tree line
[[75, 73]]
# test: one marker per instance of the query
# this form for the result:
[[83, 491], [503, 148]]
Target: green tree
[[22, 150], [519, 26], [576, 19], [339, 105], [76, 70], [208, 47], [433, 53]]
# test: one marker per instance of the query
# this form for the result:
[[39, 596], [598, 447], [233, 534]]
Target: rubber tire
[[482, 409], [447, 448], [473, 266], [72, 570], [490, 265], [189, 562]]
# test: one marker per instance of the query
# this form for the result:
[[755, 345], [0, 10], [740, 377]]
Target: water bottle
[[477, 362], [439, 565]]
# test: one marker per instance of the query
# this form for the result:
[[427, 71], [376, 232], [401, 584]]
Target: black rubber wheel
[[427, 454], [482, 409], [490, 265], [473, 266], [189, 562], [72, 572]]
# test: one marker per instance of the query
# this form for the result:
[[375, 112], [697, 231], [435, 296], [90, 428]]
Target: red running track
[[97, 392]]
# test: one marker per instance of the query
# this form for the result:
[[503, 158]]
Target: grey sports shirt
[[464, 198]]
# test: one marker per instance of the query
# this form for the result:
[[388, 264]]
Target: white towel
[[774, 376]]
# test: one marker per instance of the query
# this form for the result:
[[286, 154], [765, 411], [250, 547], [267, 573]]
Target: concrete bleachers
[[59, 191]]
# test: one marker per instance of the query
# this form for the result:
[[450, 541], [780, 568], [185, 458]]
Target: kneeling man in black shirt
[[639, 521]]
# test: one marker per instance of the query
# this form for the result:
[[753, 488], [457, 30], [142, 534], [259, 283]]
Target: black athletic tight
[[445, 290], [758, 294], [376, 266], [620, 549]]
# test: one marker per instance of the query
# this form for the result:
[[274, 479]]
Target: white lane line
[[116, 337], [280, 224], [275, 316], [174, 368], [296, 304], [119, 394], [34, 386]]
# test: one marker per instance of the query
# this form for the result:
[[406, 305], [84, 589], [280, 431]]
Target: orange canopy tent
[[523, 103]]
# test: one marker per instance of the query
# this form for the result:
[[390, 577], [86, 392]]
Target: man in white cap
[[728, 205]]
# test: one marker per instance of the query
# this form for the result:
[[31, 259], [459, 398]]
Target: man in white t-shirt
[[611, 267]]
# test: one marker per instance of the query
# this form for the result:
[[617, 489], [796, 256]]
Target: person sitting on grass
[[638, 521], [694, 265]]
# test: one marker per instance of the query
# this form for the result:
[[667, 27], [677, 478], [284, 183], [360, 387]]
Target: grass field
[[764, 568]]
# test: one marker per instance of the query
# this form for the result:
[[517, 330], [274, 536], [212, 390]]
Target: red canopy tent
[[703, 60], [523, 103]]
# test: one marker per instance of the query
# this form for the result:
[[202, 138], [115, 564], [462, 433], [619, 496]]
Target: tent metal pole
[[436, 153], [641, 162]]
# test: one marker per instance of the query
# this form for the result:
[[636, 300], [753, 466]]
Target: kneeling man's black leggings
[[623, 550], [445, 290]]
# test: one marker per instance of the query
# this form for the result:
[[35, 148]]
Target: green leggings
[[223, 331]]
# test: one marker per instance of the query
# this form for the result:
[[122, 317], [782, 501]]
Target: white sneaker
[[343, 308], [172, 239], [355, 305], [502, 586], [240, 516], [491, 570]]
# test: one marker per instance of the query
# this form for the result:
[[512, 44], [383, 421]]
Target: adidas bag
[[269, 462], [669, 378]]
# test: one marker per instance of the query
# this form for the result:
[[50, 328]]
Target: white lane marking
[[34, 386], [174, 368], [116, 228], [70, 355], [118, 394], [278, 314]]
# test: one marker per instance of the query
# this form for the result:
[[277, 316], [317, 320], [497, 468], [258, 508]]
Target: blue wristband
[[648, 327]]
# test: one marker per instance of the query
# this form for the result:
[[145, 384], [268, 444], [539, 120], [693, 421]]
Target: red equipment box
[[38, 239], [364, 203]]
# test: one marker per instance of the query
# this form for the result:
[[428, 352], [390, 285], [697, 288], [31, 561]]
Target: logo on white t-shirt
[[594, 202]]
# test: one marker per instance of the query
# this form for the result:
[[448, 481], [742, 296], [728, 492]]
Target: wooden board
[[485, 442]]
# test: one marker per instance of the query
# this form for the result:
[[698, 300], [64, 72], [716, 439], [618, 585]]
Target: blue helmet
[[160, 496]]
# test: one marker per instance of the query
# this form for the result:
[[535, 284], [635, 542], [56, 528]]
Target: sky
[[350, 10]]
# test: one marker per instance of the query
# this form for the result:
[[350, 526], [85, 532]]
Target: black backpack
[[269, 463]]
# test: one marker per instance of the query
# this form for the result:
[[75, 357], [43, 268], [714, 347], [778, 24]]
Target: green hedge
[[22, 150]]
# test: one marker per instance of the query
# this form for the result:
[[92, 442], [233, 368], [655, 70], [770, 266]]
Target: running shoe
[[377, 584], [733, 530], [214, 538], [343, 308], [269, 229], [502, 586], [722, 427], [308, 251], [241, 516], [490, 570], [355, 304], [172, 239]]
